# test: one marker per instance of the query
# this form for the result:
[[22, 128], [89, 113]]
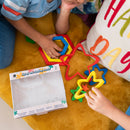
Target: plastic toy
[[85, 88], [79, 89], [64, 42], [73, 91], [29, 40], [50, 61], [103, 75], [92, 74], [68, 66], [57, 60], [78, 95]]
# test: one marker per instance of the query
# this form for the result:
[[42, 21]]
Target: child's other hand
[[50, 47], [99, 102], [70, 4]]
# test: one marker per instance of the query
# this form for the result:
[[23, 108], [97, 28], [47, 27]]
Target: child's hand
[[99, 102], [70, 4], [50, 47]]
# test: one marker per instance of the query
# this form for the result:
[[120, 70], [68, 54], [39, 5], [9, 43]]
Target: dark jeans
[[7, 42]]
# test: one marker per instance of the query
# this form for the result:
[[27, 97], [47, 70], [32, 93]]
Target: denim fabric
[[7, 42]]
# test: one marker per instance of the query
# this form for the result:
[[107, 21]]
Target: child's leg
[[7, 42]]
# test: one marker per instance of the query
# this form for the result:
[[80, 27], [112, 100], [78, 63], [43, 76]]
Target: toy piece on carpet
[[73, 91], [33, 93], [68, 66], [128, 113], [85, 88], [29, 40], [68, 48], [103, 75], [92, 74], [76, 93]]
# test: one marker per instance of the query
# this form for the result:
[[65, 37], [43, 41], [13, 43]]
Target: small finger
[[96, 90], [90, 104], [53, 56], [92, 95], [49, 53], [53, 35], [89, 100], [55, 53], [57, 48], [50, 36], [86, 96]]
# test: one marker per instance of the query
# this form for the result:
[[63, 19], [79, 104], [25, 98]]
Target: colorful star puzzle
[[74, 91], [68, 48], [77, 93], [93, 76], [103, 75]]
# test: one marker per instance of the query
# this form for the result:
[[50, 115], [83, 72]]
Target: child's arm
[[45, 42], [62, 23], [101, 104]]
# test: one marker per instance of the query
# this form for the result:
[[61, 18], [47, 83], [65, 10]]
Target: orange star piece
[[85, 88]]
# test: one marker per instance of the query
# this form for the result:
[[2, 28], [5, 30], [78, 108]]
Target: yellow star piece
[[77, 96], [80, 81]]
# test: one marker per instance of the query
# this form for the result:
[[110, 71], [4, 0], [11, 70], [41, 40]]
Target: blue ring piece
[[64, 42]]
